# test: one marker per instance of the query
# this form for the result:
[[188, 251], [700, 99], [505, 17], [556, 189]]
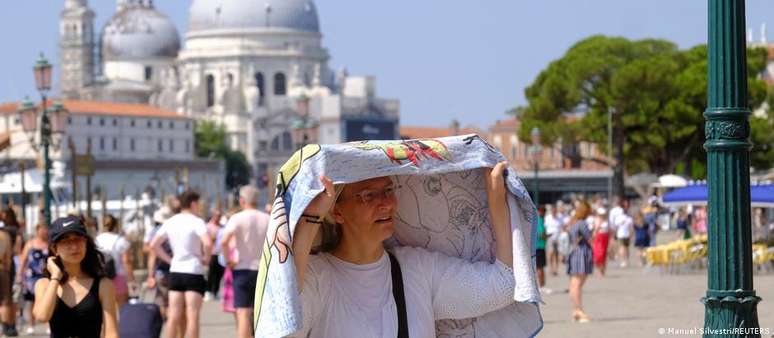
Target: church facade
[[258, 68]]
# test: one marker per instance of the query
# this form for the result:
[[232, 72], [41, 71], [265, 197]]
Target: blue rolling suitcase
[[140, 320]]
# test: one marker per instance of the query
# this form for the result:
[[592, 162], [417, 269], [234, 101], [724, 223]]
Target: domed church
[[258, 67]]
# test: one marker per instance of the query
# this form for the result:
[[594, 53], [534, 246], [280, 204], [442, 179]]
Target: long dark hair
[[93, 264], [9, 217]]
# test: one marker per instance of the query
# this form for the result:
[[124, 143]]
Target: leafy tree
[[653, 93], [210, 142]]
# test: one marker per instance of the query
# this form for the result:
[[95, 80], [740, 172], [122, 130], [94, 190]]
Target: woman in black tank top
[[73, 296]]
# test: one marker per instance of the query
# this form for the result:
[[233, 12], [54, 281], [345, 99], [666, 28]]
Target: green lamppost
[[730, 302], [51, 122], [536, 150]]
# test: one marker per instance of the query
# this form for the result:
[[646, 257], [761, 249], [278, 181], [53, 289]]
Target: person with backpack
[[118, 259]]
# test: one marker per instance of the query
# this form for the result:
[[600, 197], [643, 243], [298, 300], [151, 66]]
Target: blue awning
[[760, 195]]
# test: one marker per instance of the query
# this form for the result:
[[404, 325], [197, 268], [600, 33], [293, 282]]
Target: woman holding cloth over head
[[357, 288], [73, 296]]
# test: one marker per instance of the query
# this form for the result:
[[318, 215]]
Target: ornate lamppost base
[[731, 314]]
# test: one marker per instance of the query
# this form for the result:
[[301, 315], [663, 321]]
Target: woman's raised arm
[[499, 212], [308, 225]]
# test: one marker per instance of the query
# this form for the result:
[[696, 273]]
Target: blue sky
[[444, 59]]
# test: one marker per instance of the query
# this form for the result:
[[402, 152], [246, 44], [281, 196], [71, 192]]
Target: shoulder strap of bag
[[400, 297]]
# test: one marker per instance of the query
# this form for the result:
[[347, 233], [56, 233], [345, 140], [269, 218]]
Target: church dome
[[300, 15], [139, 32]]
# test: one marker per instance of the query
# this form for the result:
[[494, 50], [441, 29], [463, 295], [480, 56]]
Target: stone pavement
[[636, 302]]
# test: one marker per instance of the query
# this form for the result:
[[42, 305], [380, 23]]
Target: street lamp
[[730, 304], [51, 124], [537, 151], [302, 125]]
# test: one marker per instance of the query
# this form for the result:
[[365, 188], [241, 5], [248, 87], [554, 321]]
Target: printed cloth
[[441, 206]]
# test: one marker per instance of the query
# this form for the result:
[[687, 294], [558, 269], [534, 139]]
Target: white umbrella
[[670, 181]]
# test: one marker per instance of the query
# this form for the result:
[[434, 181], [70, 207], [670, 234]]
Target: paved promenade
[[636, 303], [629, 302]]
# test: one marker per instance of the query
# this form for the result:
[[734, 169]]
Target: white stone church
[[258, 67]]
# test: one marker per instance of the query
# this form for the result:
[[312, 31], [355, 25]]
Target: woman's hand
[[495, 183], [324, 201], [499, 212], [53, 268]]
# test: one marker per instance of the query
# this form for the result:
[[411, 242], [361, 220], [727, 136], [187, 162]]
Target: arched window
[[148, 73], [287, 141], [259, 82], [210, 90], [275, 143], [279, 84]]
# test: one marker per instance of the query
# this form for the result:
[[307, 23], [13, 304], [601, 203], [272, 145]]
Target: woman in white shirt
[[349, 291], [187, 235], [113, 244]]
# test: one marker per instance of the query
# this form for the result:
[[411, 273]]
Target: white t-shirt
[[564, 219], [184, 231], [552, 224], [249, 229], [602, 225], [614, 213], [114, 245], [341, 299], [623, 225]]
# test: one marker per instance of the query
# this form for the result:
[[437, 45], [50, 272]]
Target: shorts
[[6, 287], [624, 241], [552, 242], [119, 283], [162, 290], [183, 282], [540, 258], [28, 296], [244, 288]]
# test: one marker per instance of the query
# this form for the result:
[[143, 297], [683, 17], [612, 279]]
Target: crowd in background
[[188, 261], [587, 234]]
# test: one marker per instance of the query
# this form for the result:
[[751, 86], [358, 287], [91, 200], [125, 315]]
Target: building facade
[[260, 69], [135, 148]]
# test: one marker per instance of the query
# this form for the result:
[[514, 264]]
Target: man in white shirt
[[622, 224], [248, 229], [187, 236]]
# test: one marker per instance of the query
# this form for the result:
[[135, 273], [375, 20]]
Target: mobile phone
[[58, 262], [60, 265]]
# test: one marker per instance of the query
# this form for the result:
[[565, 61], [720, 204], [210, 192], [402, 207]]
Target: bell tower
[[76, 44]]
